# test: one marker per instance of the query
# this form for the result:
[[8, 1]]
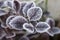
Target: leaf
[[53, 31], [34, 13], [8, 3], [17, 5], [28, 6], [42, 27], [1, 3], [17, 22], [8, 20], [51, 22], [28, 27], [22, 4], [3, 12]]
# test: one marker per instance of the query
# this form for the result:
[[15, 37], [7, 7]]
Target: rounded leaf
[[28, 27], [8, 20], [51, 22], [28, 6], [53, 31], [42, 27], [34, 13], [17, 22]]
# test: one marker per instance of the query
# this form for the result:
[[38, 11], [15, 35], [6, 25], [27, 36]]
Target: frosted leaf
[[28, 27], [53, 31], [2, 12], [28, 6], [8, 3], [34, 13], [1, 3], [22, 4], [51, 22], [24, 38], [42, 27], [17, 22], [17, 5], [8, 20]]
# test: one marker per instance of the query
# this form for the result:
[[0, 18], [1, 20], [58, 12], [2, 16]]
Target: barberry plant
[[24, 17]]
